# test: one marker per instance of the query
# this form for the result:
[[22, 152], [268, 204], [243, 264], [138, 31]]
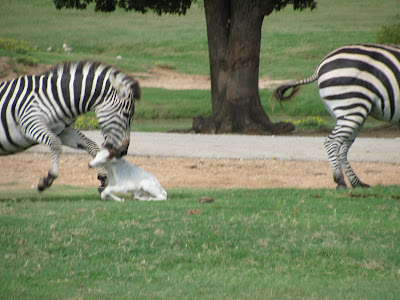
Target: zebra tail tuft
[[279, 92]]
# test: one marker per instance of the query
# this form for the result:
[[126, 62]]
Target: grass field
[[248, 244]]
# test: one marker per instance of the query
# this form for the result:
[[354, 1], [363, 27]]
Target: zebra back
[[82, 84]]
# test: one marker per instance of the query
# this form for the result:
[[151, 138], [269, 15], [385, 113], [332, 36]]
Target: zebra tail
[[279, 92]]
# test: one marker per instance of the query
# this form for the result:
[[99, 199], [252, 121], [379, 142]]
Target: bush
[[390, 34], [87, 122], [308, 123], [17, 46]]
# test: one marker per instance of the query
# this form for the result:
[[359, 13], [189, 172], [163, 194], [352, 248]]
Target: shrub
[[309, 123], [16, 46], [87, 122]]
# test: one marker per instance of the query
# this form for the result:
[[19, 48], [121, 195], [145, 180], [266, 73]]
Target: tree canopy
[[164, 6]]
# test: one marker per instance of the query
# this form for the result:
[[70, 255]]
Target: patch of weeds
[[87, 122], [163, 65], [17, 46], [308, 123], [27, 60], [3, 73]]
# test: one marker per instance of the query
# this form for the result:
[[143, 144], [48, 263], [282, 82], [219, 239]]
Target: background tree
[[234, 41]]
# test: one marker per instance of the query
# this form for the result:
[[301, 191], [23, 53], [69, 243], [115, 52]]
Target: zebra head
[[115, 115]]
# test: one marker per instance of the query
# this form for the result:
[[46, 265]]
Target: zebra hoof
[[45, 182], [341, 187], [41, 187]]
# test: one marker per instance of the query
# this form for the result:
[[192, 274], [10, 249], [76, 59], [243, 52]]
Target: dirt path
[[24, 170]]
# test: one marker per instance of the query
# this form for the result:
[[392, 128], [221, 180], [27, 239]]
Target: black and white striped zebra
[[354, 81], [43, 108]]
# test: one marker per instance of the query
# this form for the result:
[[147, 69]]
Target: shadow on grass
[[55, 193]]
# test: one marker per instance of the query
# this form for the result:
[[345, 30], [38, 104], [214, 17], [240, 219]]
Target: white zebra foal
[[125, 177]]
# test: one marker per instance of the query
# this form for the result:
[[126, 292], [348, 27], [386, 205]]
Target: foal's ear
[[111, 153]]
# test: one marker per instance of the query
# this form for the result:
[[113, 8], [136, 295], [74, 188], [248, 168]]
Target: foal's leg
[[74, 138], [107, 194], [154, 190]]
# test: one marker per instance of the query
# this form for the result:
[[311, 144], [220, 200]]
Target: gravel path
[[248, 147]]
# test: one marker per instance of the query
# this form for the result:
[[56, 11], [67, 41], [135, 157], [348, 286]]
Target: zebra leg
[[74, 138], [55, 149], [332, 146], [351, 175], [43, 133]]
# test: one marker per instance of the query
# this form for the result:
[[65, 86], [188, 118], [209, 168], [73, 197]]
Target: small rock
[[206, 200]]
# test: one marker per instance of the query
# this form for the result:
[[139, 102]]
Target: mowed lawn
[[248, 244], [66, 243]]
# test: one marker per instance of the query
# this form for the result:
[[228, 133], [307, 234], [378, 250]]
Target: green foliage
[[390, 34], [309, 123], [252, 244], [87, 122], [143, 6], [160, 6], [18, 46]]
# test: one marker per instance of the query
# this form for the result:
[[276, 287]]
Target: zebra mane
[[66, 66]]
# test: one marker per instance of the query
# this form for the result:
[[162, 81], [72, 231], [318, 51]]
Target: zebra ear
[[113, 82], [123, 90]]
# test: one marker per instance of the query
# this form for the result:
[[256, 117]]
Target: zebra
[[354, 81], [42, 109]]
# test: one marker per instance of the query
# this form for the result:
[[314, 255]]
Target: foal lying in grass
[[125, 177]]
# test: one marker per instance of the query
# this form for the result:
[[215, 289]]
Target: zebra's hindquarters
[[14, 96], [362, 79], [354, 82]]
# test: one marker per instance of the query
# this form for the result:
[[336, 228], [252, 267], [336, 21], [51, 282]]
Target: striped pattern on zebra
[[43, 108], [354, 81]]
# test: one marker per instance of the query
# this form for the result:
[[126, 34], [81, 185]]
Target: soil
[[20, 171]]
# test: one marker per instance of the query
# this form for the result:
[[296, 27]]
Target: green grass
[[248, 244], [292, 42]]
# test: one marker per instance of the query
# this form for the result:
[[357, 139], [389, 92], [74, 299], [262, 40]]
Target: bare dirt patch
[[10, 69], [21, 171], [172, 80]]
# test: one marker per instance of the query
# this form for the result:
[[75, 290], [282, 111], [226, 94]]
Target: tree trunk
[[234, 38]]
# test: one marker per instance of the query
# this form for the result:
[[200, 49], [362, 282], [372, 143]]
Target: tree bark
[[234, 39]]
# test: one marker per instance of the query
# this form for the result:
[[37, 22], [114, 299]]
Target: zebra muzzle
[[121, 151]]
